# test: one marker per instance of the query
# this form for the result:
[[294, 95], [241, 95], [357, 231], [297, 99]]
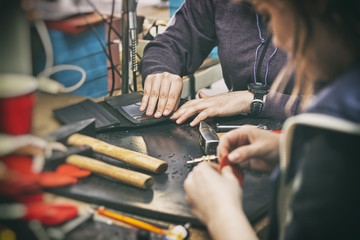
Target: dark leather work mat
[[165, 201]]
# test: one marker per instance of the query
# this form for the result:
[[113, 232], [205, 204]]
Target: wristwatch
[[259, 90]]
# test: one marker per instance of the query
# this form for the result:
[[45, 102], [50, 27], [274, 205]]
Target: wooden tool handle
[[124, 175], [134, 158]]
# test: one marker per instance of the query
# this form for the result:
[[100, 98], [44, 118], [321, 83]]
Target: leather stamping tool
[[208, 139]]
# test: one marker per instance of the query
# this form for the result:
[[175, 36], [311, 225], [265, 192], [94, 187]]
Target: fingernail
[[166, 112], [158, 114], [233, 156]]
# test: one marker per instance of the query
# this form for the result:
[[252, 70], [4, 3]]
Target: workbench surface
[[173, 143]]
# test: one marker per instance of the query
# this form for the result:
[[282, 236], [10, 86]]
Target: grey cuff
[[275, 105]]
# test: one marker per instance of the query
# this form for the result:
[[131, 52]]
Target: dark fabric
[[340, 98], [120, 111], [326, 204], [276, 106], [200, 25]]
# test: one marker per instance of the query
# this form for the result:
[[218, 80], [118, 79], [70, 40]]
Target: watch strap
[[256, 107], [257, 103]]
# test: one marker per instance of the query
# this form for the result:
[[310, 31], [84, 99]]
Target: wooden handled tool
[[124, 175], [134, 158]]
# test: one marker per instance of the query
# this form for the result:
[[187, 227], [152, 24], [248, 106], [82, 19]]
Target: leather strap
[[257, 103]]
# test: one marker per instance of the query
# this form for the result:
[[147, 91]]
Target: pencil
[[132, 221]]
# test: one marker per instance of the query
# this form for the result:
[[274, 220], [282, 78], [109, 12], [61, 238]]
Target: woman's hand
[[225, 104], [205, 188], [162, 93], [251, 148], [215, 199]]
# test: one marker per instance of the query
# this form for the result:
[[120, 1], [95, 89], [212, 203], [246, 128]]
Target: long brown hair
[[340, 17]]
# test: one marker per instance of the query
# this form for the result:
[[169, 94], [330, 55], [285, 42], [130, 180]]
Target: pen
[[131, 221]]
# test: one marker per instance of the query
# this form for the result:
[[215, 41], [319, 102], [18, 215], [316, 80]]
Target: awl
[[209, 141], [207, 158]]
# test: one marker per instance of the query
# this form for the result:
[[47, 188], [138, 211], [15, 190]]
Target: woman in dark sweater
[[245, 52], [318, 187]]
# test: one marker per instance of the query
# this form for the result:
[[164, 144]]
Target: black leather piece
[[85, 110], [113, 112]]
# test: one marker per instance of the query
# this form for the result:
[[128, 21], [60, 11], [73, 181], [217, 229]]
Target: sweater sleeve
[[185, 44], [276, 105]]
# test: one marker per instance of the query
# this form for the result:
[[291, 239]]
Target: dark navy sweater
[[325, 160]]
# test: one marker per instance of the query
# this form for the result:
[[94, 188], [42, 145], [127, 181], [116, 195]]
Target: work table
[[165, 201]]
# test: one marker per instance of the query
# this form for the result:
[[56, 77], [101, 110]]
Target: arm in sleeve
[[185, 44], [280, 105]]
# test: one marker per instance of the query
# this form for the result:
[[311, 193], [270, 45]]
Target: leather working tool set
[[72, 135]]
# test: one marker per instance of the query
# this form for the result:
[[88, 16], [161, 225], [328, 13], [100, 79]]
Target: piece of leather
[[110, 113]]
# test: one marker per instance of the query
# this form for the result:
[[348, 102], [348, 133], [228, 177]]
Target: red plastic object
[[239, 174], [18, 163], [52, 179], [17, 184], [17, 98], [49, 213], [30, 198], [72, 171], [22, 180], [17, 114], [75, 25]]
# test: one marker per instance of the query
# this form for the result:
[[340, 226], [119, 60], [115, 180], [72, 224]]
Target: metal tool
[[226, 128], [86, 127], [208, 139], [77, 134], [207, 158], [59, 157]]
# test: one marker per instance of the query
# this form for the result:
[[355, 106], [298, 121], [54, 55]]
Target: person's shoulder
[[340, 98], [232, 6]]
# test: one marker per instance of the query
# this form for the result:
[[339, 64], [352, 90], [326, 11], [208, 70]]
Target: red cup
[[17, 98]]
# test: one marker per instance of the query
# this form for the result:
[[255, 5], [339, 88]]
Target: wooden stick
[[134, 158], [132, 178]]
